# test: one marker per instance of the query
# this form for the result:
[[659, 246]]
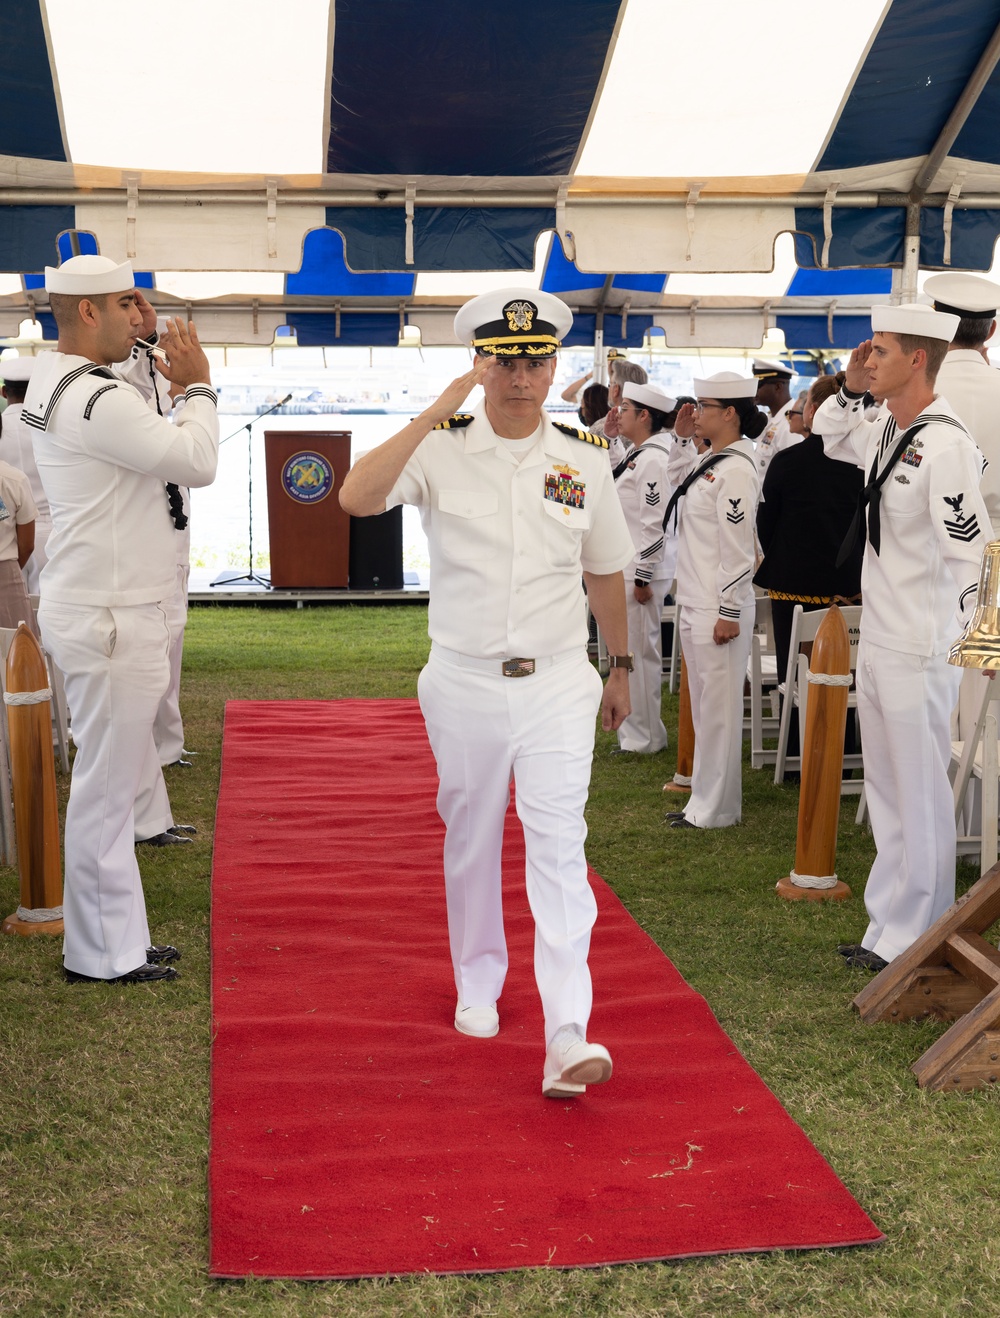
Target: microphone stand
[[250, 575]]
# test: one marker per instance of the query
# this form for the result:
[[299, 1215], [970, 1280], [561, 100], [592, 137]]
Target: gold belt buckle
[[518, 667]]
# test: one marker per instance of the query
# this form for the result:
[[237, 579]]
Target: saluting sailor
[[715, 563], [644, 488], [105, 456], [773, 382], [516, 509], [927, 527]]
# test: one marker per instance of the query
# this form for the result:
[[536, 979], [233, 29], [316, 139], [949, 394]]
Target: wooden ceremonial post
[[681, 781], [813, 878], [33, 771]]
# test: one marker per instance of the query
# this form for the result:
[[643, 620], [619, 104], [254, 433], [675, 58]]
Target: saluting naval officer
[[105, 457], [927, 527], [516, 509], [773, 382], [644, 488]]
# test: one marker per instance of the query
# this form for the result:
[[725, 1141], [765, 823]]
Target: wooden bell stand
[[953, 974]]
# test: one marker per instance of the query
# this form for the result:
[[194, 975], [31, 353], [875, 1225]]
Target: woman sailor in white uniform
[[717, 506], [644, 490]]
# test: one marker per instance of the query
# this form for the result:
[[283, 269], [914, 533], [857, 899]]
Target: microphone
[[287, 399]]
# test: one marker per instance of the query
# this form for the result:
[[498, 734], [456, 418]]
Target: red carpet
[[356, 1133]]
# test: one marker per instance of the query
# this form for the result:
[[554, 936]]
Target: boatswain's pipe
[[813, 878], [33, 772]]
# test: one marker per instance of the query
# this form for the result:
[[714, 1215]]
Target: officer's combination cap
[[765, 370], [963, 295], [514, 322]]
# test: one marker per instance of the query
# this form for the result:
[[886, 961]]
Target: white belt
[[514, 667]]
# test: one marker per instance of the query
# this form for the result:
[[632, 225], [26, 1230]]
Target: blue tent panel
[[840, 283], [562, 276], [28, 235], [464, 88], [811, 331], [318, 329], [444, 238], [860, 237], [585, 327], [973, 238], [29, 114], [324, 272], [916, 70]]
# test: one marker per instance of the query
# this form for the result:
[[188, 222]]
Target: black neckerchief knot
[[176, 503], [871, 498]]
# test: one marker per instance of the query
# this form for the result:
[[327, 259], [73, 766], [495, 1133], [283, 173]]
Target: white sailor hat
[[514, 322], [765, 370], [16, 370], [648, 395], [726, 385], [915, 318], [86, 275], [963, 295]]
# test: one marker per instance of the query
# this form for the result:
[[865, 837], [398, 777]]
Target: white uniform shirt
[[16, 507], [933, 523], [104, 456], [972, 388], [15, 448], [716, 554], [509, 539], [644, 489], [776, 437]]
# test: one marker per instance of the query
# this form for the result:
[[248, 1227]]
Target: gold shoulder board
[[586, 435], [456, 422]]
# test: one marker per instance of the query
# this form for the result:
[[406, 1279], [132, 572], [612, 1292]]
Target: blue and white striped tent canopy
[[696, 169]]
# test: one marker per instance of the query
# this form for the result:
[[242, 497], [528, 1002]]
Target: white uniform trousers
[[904, 705], [168, 729], [716, 674], [115, 664], [643, 730], [38, 558], [483, 729]]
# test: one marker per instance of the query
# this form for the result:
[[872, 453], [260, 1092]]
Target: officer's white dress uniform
[[103, 455], [15, 448], [933, 529], [644, 489], [776, 437], [715, 564], [511, 525]]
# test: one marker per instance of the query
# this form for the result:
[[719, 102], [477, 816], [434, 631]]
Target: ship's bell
[[979, 644]]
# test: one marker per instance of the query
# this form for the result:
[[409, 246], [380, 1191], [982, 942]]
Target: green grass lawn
[[104, 1091]]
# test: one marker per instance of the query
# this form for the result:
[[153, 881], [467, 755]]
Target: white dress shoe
[[480, 1022], [571, 1064]]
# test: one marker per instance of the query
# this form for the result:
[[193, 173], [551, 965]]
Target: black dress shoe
[[162, 840], [865, 960], [674, 814], [851, 949], [683, 823], [182, 828], [157, 955], [144, 974]]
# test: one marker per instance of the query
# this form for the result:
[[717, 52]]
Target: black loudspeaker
[[376, 553]]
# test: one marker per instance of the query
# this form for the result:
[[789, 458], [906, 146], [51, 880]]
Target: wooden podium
[[309, 532]]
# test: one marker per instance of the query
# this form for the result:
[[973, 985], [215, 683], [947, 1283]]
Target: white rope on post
[[813, 881], [27, 697], [40, 915], [829, 679]]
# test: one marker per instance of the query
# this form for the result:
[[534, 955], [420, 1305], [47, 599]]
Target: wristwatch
[[626, 661], [638, 581]]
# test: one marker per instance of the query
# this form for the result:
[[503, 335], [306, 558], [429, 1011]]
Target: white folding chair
[[795, 688], [60, 710], [762, 673], [974, 763]]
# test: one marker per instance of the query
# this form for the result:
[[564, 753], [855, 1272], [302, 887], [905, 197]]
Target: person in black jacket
[[806, 508]]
